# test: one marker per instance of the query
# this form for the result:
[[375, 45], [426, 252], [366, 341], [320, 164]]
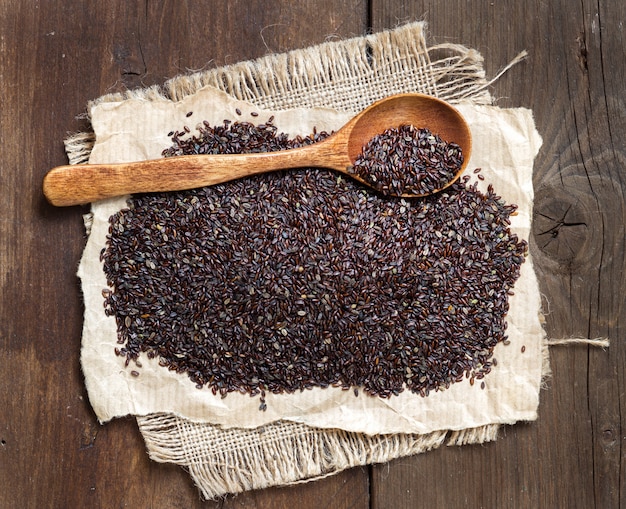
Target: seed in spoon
[[408, 161]]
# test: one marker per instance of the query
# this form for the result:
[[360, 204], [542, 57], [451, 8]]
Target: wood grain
[[57, 55], [573, 455]]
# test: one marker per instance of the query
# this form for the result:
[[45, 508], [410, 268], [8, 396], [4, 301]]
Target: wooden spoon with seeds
[[80, 184]]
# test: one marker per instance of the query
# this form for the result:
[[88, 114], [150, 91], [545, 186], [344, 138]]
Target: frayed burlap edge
[[302, 78], [346, 75], [281, 453]]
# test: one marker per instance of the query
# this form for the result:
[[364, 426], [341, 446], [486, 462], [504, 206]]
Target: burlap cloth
[[227, 445]]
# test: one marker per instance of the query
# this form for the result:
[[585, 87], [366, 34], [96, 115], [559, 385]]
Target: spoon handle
[[80, 184]]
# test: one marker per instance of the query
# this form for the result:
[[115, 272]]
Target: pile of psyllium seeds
[[292, 280], [408, 161]]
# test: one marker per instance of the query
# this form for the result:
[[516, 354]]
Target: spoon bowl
[[80, 184], [418, 110]]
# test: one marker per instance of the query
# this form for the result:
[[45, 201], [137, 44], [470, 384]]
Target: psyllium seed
[[290, 280], [408, 161]]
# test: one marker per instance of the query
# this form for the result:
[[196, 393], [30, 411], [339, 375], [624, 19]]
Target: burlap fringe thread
[[346, 75], [599, 342], [295, 453], [352, 69]]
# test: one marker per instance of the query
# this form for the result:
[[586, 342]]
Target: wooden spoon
[[79, 184]]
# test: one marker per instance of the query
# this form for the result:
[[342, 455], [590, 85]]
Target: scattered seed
[[292, 280]]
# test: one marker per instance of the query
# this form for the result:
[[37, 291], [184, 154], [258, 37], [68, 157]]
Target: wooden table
[[56, 55]]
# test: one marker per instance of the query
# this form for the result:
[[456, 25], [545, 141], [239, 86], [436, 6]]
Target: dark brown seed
[[189, 113], [408, 161], [292, 280]]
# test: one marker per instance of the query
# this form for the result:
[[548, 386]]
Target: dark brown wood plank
[[573, 81], [342, 491], [54, 57]]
